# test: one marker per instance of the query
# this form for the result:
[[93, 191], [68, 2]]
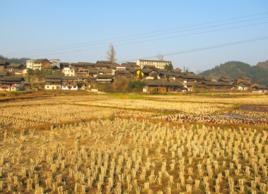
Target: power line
[[206, 48], [163, 38], [196, 33], [163, 34]]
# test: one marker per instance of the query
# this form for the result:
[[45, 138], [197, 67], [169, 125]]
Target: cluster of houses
[[157, 76]]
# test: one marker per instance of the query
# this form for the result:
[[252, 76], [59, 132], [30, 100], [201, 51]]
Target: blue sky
[[81, 30]]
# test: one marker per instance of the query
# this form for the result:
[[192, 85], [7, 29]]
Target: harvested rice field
[[137, 144]]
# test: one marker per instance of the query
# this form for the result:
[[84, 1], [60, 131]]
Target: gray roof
[[11, 79], [259, 87], [147, 70], [104, 77], [210, 83], [163, 83], [190, 76]]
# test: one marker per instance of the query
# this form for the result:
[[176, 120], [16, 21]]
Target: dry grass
[[103, 144]]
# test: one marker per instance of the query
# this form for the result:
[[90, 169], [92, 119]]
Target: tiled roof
[[11, 79], [104, 77], [163, 83], [210, 83]]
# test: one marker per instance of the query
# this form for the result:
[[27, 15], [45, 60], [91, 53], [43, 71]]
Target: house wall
[[241, 88], [52, 87], [151, 63], [69, 87], [67, 71], [174, 89], [149, 78], [11, 87], [158, 90], [104, 80], [31, 64], [5, 88]]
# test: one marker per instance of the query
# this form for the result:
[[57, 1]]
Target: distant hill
[[263, 64], [236, 69], [12, 60]]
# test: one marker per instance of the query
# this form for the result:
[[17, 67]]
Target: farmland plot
[[135, 157], [101, 144]]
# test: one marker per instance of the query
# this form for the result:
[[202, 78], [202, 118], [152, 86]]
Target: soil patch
[[254, 108]]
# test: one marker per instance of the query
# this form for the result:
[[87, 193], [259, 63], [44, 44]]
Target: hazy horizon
[[195, 35]]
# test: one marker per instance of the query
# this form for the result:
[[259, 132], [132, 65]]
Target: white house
[[52, 86], [69, 87], [32, 64], [159, 64], [242, 87], [40, 64], [68, 71], [53, 83]]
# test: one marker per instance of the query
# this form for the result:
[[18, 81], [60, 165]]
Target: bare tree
[[111, 54]]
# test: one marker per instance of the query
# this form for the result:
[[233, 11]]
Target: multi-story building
[[159, 64], [32, 64], [40, 64], [68, 71]]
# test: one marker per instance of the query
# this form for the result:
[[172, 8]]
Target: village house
[[214, 85], [69, 83], [11, 83], [159, 64], [242, 84], [189, 77], [82, 69], [65, 64], [225, 79], [92, 73], [82, 72], [16, 69], [242, 87], [145, 72], [257, 88], [153, 75], [38, 64], [169, 75], [123, 73], [129, 65], [190, 86], [106, 72], [66, 83], [162, 87], [53, 83], [120, 68], [149, 73], [68, 71], [104, 79], [101, 65]]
